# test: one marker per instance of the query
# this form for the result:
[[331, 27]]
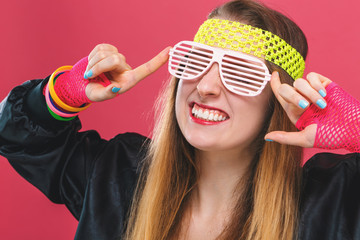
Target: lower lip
[[202, 121]]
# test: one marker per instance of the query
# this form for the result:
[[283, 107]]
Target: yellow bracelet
[[56, 99]]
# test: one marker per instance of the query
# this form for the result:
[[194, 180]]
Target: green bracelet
[[58, 117]]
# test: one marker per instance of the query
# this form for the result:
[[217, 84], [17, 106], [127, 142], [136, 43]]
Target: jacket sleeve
[[330, 202], [53, 155]]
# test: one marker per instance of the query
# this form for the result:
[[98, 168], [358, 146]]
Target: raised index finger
[[151, 66]]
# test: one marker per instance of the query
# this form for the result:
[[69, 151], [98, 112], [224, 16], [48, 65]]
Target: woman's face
[[211, 118]]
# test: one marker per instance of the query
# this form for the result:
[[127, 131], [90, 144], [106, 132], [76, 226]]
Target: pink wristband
[[70, 86], [53, 108], [338, 125]]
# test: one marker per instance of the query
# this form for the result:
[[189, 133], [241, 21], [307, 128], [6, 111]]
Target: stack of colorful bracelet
[[57, 108]]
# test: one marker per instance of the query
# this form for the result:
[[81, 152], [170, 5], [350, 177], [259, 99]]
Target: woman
[[202, 177]]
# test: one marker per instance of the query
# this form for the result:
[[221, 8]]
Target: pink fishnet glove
[[338, 125], [70, 86]]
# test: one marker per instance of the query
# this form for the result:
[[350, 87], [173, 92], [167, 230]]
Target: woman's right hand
[[105, 58]]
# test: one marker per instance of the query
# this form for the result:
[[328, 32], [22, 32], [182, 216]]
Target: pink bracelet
[[53, 108]]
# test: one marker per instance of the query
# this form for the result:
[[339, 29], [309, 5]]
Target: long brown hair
[[267, 207]]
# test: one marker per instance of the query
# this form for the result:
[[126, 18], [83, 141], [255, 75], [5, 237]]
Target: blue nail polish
[[321, 103], [85, 76], [322, 93], [89, 73], [269, 140], [115, 89], [303, 104]]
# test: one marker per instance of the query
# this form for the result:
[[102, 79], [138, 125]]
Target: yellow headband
[[255, 41]]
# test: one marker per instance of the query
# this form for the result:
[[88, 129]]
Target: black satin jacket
[[95, 178]]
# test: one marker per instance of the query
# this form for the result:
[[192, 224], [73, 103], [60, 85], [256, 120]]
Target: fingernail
[[269, 140], [322, 93], [89, 74], [321, 103], [303, 104], [115, 89]]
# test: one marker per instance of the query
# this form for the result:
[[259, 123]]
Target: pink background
[[38, 36]]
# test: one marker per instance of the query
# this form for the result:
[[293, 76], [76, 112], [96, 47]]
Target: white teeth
[[211, 116], [208, 115], [200, 113]]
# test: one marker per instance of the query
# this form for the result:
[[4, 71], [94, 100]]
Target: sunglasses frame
[[178, 64]]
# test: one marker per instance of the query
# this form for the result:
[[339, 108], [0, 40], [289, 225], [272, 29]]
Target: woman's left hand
[[295, 100]]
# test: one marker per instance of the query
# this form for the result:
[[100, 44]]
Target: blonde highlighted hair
[[267, 207]]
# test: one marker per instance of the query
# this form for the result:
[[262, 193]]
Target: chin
[[205, 148], [202, 143], [210, 143]]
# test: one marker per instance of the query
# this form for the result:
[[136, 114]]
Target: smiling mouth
[[208, 114]]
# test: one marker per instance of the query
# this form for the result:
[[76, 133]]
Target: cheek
[[183, 92], [249, 122], [180, 102], [251, 118], [178, 98]]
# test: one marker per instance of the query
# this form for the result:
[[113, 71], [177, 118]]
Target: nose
[[210, 82]]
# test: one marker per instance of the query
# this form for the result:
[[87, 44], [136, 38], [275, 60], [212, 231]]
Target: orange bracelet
[[54, 96]]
